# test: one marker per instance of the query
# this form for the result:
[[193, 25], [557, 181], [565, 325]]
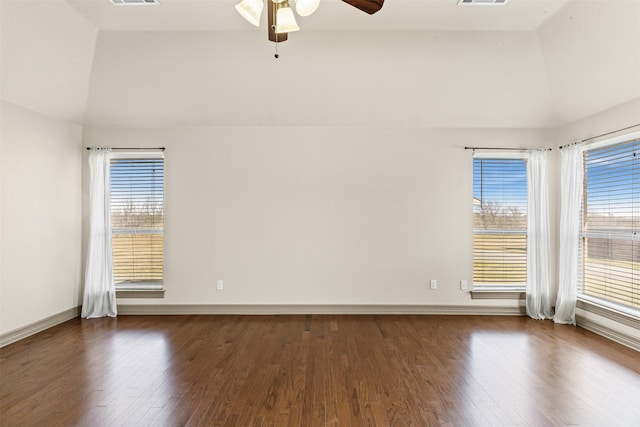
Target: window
[[499, 222], [611, 225], [137, 220]]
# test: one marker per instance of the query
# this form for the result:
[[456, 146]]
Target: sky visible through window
[[501, 183], [613, 181], [137, 186]]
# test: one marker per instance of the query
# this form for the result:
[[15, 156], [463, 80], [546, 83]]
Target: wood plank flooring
[[318, 371]]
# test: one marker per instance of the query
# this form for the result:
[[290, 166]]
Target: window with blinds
[[611, 224], [137, 220], [499, 223]]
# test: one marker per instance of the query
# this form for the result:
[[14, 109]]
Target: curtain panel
[[538, 300], [571, 201], [99, 298]]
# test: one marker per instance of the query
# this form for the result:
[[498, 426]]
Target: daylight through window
[[499, 222], [137, 220], [611, 224]]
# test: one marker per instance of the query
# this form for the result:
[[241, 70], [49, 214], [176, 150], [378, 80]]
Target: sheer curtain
[[99, 289], [538, 277], [571, 200]]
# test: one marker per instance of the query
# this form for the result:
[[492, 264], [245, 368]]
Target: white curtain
[[538, 277], [571, 201], [99, 288]]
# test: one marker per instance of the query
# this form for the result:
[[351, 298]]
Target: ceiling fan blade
[[369, 6]]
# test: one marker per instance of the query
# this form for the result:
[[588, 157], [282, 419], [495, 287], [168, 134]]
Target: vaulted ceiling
[[425, 63], [220, 15]]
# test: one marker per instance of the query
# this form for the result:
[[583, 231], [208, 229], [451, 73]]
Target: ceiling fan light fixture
[[280, 18], [285, 22], [306, 7], [251, 10]]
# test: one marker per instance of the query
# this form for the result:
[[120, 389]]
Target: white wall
[[439, 79], [591, 52], [47, 55], [618, 117], [40, 216], [317, 215]]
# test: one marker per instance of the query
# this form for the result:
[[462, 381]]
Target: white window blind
[[499, 222], [137, 221], [611, 224]]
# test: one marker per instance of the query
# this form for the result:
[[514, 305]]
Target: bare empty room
[[319, 212]]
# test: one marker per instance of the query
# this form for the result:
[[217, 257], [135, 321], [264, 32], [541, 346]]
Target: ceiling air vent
[[134, 2], [483, 2]]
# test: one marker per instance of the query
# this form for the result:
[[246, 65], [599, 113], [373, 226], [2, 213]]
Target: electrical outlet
[[434, 284], [220, 285], [463, 285]]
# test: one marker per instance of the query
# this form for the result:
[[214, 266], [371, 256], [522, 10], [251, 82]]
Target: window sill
[[608, 313], [498, 293], [139, 293]]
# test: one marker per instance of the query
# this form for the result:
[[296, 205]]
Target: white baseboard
[[39, 326], [248, 309], [259, 309], [607, 332]]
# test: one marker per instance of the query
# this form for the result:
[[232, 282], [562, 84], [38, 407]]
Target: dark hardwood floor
[[317, 371]]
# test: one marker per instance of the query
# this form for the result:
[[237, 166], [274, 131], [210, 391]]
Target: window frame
[[586, 299], [158, 290], [501, 291]]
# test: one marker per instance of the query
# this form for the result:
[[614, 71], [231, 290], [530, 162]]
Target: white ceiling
[[187, 15], [429, 63]]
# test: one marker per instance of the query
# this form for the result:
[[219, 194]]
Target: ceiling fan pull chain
[[275, 10]]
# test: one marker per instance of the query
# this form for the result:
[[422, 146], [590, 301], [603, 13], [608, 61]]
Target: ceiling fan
[[280, 17]]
